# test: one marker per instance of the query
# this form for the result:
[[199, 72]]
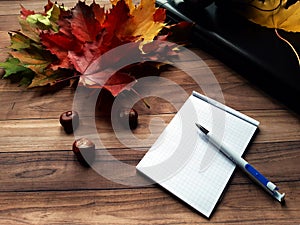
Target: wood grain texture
[[43, 183], [140, 206]]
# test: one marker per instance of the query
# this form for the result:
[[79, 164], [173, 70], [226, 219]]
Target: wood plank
[[276, 125], [142, 206], [9, 22], [31, 104], [47, 134], [60, 170]]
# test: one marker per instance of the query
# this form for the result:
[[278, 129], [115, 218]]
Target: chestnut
[[69, 120], [129, 116], [2, 72], [84, 149]]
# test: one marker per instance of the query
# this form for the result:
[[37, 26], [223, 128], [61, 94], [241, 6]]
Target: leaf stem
[[144, 101], [68, 78], [292, 47]]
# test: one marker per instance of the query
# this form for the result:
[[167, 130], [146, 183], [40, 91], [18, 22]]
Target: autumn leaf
[[145, 22], [99, 13], [32, 59], [12, 66], [49, 77], [45, 20], [274, 14], [25, 12], [85, 27], [82, 60], [59, 43], [114, 22], [159, 15], [19, 41], [29, 30], [115, 83]]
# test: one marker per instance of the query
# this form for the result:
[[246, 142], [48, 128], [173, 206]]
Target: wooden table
[[43, 183]]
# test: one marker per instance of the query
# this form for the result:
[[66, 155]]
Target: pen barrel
[[232, 155], [270, 187], [243, 164]]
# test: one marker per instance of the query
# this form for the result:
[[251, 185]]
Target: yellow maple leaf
[[142, 23], [274, 14]]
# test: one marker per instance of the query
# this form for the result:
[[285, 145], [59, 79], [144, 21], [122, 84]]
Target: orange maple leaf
[[145, 21]]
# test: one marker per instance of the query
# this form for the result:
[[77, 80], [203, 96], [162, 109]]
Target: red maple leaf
[[115, 83], [25, 12], [83, 59], [98, 12], [86, 33], [48, 6], [160, 15], [85, 27], [59, 45]]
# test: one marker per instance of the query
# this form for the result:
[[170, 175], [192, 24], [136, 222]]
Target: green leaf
[[12, 66], [45, 21], [34, 19]]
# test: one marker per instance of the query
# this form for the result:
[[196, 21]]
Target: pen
[[270, 187]]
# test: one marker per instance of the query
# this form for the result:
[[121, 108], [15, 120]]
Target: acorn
[[129, 117], [2, 72], [84, 149], [69, 121]]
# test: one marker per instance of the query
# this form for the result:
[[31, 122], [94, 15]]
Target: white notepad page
[[185, 164]]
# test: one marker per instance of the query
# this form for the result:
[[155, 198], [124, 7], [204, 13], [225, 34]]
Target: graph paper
[[188, 166]]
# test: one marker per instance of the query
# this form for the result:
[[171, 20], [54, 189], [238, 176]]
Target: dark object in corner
[[253, 51]]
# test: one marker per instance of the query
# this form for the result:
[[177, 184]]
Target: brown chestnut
[[2, 72], [84, 149], [129, 116], [69, 120]]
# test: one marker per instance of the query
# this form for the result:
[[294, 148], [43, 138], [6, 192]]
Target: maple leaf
[[59, 45], [12, 66], [19, 41], [114, 22], [274, 14], [145, 22], [45, 20], [49, 77], [115, 83], [85, 27], [99, 13], [29, 30], [82, 60], [159, 15], [53, 43], [25, 12], [33, 59]]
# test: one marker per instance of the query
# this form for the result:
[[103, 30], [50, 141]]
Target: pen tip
[[202, 128]]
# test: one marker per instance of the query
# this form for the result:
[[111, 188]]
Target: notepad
[[185, 164]]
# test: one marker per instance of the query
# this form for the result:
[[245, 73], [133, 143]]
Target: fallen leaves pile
[[60, 43]]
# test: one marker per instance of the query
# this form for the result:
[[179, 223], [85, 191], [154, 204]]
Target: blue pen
[[270, 187]]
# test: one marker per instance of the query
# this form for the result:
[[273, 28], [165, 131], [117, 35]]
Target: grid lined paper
[[185, 164]]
